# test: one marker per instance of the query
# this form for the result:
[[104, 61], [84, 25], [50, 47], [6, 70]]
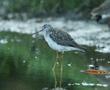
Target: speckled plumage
[[59, 40]]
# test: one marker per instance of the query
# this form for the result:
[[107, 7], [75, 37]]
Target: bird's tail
[[83, 49]]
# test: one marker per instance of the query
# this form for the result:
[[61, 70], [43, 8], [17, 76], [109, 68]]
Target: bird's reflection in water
[[58, 70]]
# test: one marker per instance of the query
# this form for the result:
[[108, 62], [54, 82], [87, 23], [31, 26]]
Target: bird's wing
[[63, 38]]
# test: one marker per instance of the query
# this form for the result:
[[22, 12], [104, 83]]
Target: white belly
[[58, 47]]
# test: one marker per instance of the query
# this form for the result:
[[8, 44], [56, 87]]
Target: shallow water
[[26, 61]]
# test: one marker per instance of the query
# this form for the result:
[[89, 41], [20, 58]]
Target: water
[[26, 62]]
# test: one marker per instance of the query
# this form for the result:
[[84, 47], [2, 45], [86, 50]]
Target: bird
[[60, 41]]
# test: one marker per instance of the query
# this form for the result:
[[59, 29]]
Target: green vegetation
[[48, 7]]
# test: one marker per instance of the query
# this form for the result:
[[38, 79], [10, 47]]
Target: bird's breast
[[52, 44], [57, 47]]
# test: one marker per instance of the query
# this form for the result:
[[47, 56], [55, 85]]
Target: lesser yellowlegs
[[59, 41]]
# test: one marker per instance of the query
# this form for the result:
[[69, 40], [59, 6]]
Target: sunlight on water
[[85, 84], [3, 41]]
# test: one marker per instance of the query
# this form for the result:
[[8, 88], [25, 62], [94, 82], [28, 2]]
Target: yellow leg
[[53, 69], [59, 59], [61, 69], [54, 74]]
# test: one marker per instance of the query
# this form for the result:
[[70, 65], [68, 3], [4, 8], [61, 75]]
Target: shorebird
[[59, 41]]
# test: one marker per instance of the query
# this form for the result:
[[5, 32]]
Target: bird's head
[[46, 28]]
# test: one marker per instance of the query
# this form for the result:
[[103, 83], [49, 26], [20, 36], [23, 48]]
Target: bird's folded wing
[[63, 38]]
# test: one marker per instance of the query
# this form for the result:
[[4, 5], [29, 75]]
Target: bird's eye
[[44, 26]]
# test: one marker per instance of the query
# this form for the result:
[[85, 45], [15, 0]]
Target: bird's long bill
[[37, 32]]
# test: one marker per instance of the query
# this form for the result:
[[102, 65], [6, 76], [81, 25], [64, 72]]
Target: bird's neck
[[45, 33]]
